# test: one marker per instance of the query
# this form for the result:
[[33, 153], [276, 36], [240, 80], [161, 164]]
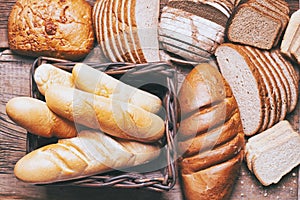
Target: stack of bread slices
[[193, 29], [290, 45], [127, 30], [259, 23], [264, 83]]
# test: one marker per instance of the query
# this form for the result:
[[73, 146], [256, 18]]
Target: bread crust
[[61, 29]]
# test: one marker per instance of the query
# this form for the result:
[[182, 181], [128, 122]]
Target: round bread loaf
[[61, 29], [212, 146]]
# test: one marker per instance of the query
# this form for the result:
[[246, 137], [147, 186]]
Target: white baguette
[[47, 75], [91, 80], [34, 116], [123, 120], [87, 154]]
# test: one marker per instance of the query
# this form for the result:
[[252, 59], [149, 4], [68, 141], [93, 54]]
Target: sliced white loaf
[[272, 157]]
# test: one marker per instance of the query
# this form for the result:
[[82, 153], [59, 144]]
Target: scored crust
[[197, 27]]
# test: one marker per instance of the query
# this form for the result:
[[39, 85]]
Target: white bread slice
[[271, 72], [146, 16], [107, 40], [245, 83], [269, 100], [111, 32], [198, 27], [130, 23], [271, 163], [290, 74], [264, 140], [97, 21], [281, 82], [291, 32]]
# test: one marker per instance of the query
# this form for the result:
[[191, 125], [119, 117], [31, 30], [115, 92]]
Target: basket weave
[[160, 180]]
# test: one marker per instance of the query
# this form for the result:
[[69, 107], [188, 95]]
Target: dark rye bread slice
[[281, 81], [274, 6], [268, 99], [252, 27], [284, 6], [291, 76], [246, 84], [201, 10], [273, 13], [197, 24], [273, 77]]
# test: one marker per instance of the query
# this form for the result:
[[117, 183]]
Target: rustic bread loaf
[[273, 153], [193, 29], [87, 154], [117, 118], [210, 156], [61, 29], [35, 116]]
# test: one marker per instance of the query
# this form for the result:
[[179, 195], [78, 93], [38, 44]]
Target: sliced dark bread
[[246, 84], [272, 89], [252, 27], [202, 10], [274, 6], [273, 13]]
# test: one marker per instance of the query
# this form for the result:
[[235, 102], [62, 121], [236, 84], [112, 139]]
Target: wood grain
[[14, 81]]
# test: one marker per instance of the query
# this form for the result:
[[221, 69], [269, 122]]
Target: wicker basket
[[161, 180]]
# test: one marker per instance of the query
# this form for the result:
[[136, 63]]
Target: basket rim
[[168, 177]]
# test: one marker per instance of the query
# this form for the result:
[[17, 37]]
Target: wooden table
[[14, 81]]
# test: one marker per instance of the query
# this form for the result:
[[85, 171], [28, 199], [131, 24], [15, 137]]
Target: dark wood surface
[[14, 81]]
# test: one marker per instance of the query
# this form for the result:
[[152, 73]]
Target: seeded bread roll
[[212, 149], [61, 29]]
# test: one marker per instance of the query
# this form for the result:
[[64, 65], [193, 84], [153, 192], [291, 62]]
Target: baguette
[[113, 117], [35, 116], [47, 75], [87, 154], [91, 80]]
